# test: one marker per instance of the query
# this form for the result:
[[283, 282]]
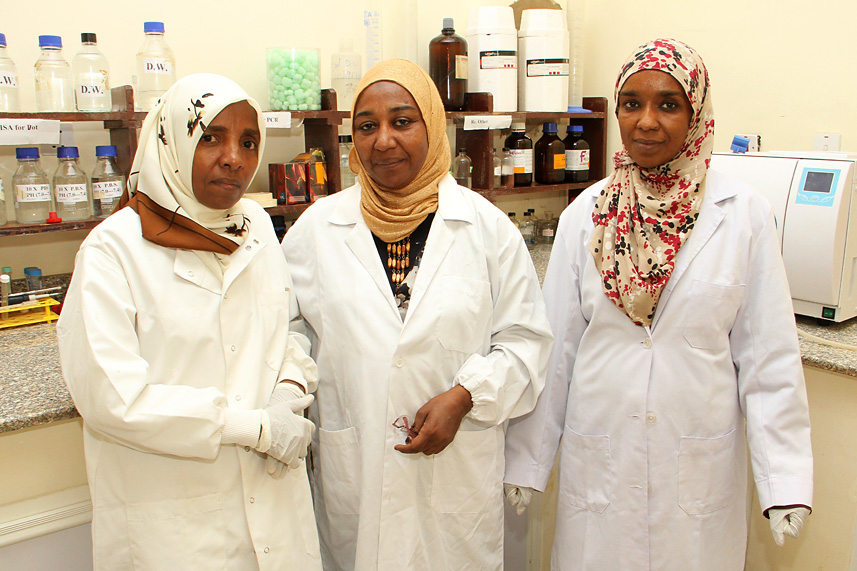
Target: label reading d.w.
[[157, 66]]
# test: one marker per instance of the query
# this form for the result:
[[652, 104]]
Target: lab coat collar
[[188, 265]]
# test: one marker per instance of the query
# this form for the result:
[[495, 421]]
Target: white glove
[[786, 521], [283, 392], [519, 497], [286, 434]]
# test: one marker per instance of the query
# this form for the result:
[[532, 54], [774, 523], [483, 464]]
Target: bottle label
[[346, 67], [577, 160], [71, 193], [106, 189], [523, 160], [498, 59], [547, 67], [460, 67], [33, 192], [157, 66], [498, 171], [559, 162], [547, 232], [8, 79]]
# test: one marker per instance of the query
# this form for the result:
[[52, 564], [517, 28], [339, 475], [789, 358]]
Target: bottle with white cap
[[156, 67], [8, 79], [72, 193], [448, 66], [54, 85], [91, 76]]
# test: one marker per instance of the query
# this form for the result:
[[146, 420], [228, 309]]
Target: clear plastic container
[[521, 148], [70, 187], [8, 81], [156, 67], [448, 66], [34, 278], [294, 79], [547, 229], [346, 177], [461, 168], [107, 182], [54, 84], [576, 155], [345, 73], [33, 200], [91, 76]]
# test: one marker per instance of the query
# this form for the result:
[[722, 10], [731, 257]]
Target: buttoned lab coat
[[652, 468], [154, 347], [476, 318]]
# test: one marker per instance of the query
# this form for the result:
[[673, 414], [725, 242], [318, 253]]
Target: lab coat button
[[400, 362], [232, 348], [267, 550], [252, 500], [189, 274], [237, 397], [651, 418], [647, 343], [246, 449], [248, 248]]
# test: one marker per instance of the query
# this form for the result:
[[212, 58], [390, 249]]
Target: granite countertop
[[33, 392]]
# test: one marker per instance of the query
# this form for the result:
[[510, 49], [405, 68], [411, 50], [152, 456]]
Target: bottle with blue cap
[[8, 82], [32, 188], [549, 156], [156, 67], [54, 84], [108, 181], [70, 187]]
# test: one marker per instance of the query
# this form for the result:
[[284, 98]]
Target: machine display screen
[[818, 182]]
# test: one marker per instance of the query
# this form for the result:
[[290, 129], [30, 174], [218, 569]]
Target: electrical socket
[[755, 142], [826, 142]]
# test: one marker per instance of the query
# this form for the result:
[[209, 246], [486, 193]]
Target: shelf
[[283, 209], [16, 229], [491, 194]]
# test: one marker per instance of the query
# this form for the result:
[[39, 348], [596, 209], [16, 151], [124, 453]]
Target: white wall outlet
[[826, 142], [755, 142]]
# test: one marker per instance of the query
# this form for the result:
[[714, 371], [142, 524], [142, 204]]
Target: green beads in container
[[294, 79]]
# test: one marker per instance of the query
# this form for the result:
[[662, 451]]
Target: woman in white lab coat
[[673, 324], [428, 327], [176, 347]]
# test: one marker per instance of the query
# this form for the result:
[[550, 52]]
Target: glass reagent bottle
[[54, 85], [70, 186], [32, 186], [91, 76], [108, 182], [9, 100], [156, 67]]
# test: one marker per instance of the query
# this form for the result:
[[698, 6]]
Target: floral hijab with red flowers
[[644, 215]]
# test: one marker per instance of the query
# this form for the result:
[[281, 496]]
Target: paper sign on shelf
[[278, 119], [482, 122], [29, 132]]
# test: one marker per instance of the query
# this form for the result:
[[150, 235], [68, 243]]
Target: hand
[[518, 496], [787, 521], [437, 421], [286, 391], [290, 433], [275, 468]]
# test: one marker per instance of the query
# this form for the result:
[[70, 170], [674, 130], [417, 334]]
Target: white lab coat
[[153, 348], [476, 318], [652, 469]]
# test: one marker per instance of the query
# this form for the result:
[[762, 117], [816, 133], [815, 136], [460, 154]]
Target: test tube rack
[[38, 311]]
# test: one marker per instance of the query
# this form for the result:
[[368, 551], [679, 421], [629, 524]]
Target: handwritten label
[[482, 122], [278, 120], [29, 132]]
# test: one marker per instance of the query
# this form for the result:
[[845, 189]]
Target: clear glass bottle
[[91, 76], [108, 182], [2, 204], [547, 228], [528, 230], [507, 169], [550, 156], [8, 80], [514, 219], [498, 169], [461, 168], [33, 200], [156, 67], [345, 73], [71, 191], [448, 66], [521, 148], [54, 84], [576, 155], [346, 177]]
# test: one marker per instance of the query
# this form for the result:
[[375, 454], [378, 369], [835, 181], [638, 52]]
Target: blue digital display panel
[[817, 186]]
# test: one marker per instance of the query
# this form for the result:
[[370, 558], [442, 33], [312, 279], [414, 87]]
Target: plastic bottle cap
[[462, 150], [52, 219], [153, 27], [27, 153], [575, 129], [505, 149], [510, 213], [345, 138], [105, 150], [549, 128], [3, 40], [33, 270], [516, 126], [7, 270], [87, 38], [67, 153], [50, 42], [448, 24]]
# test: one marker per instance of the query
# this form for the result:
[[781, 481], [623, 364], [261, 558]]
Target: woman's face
[[654, 117], [226, 157], [389, 134]]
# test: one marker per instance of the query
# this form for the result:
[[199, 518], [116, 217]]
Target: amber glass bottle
[[448, 66], [521, 148], [550, 156]]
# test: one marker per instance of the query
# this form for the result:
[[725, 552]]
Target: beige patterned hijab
[[393, 214], [644, 215]]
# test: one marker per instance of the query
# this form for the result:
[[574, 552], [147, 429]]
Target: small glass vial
[[70, 185], [507, 169], [461, 168], [91, 76], [547, 228], [54, 85], [34, 278], [521, 148], [156, 67], [8, 80], [108, 182], [32, 186], [346, 177], [576, 155], [345, 74], [528, 230], [550, 156], [514, 219]]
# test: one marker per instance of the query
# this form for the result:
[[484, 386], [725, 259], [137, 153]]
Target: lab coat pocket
[[468, 475], [464, 313], [710, 313], [184, 533], [274, 306], [707, 474], [340, 470], [586, 470]]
